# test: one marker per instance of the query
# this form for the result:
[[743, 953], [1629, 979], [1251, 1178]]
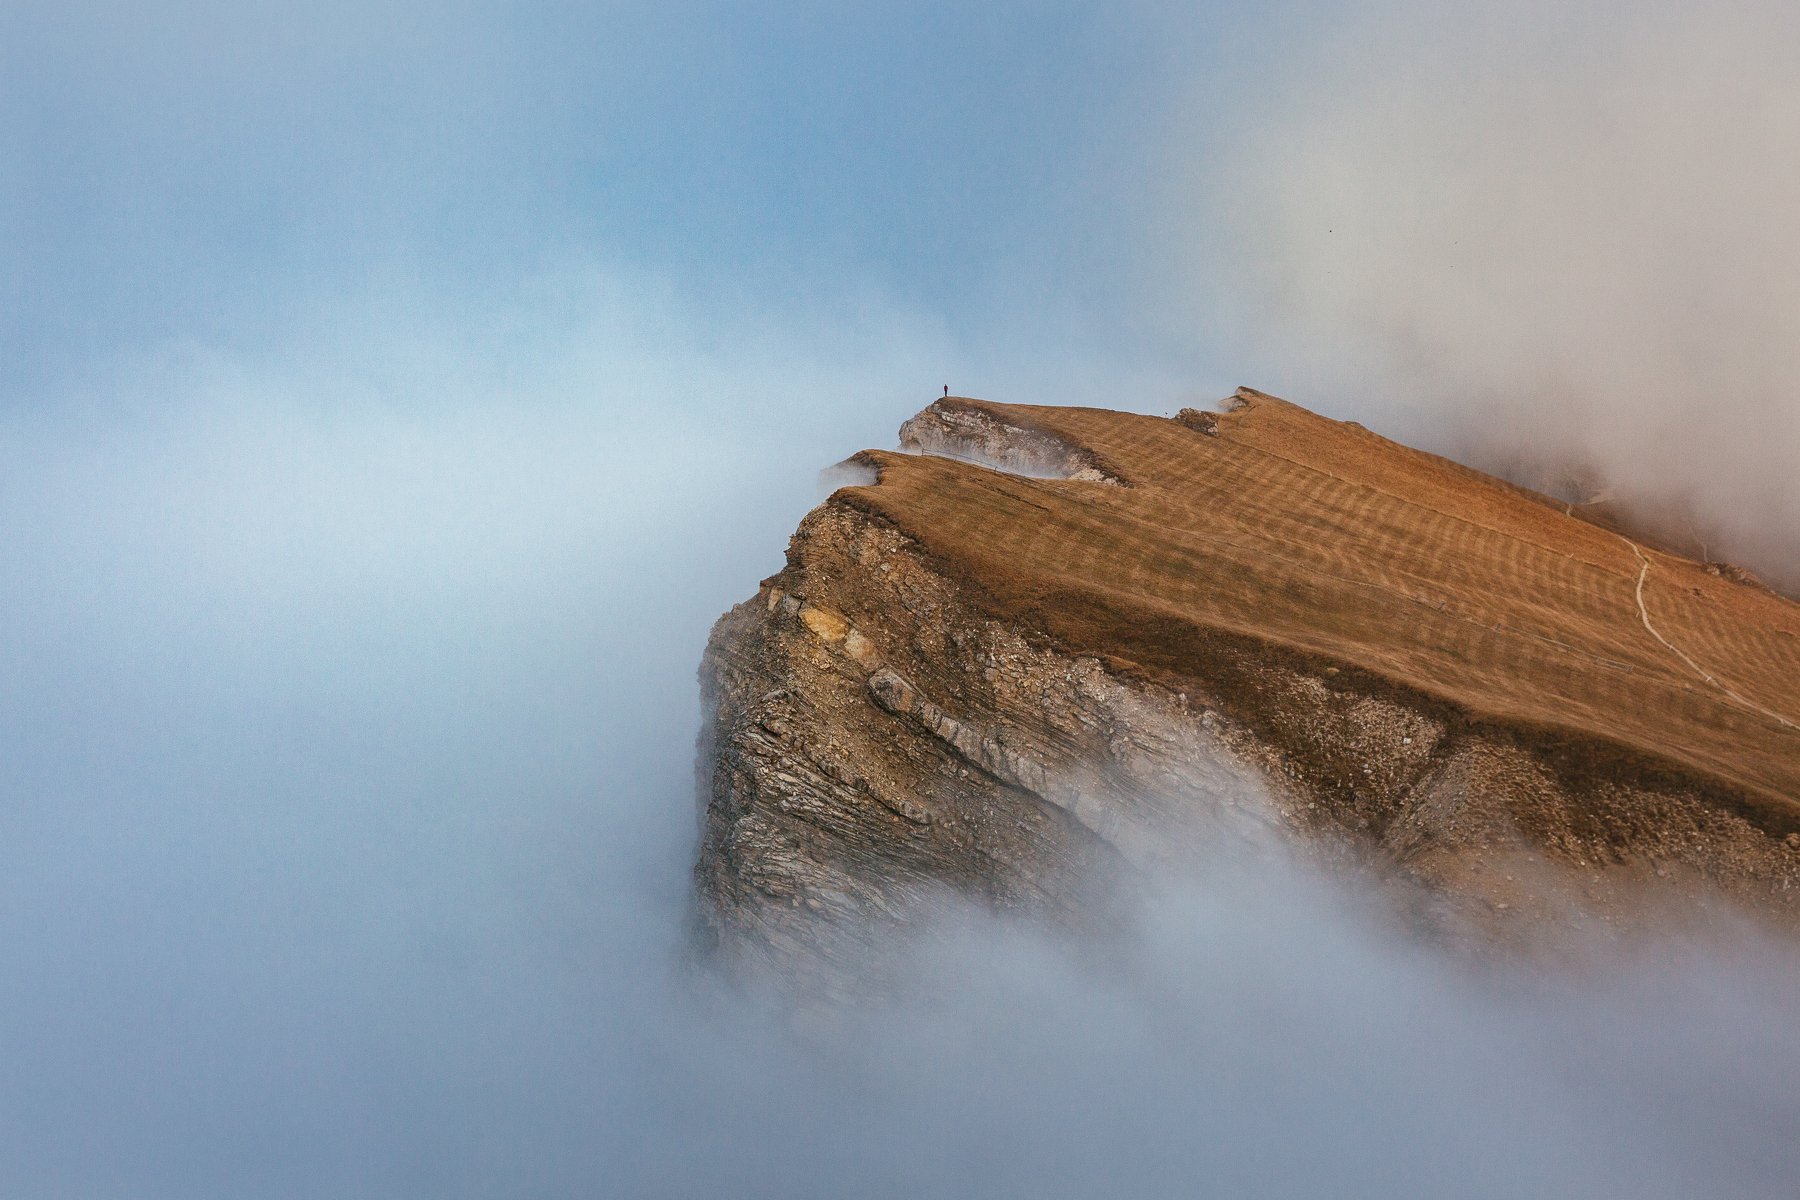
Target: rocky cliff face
[[1050, 651]]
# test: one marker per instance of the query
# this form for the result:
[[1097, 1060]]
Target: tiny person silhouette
[[946, 391]]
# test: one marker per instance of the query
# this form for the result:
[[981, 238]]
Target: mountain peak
[[1125, 632]]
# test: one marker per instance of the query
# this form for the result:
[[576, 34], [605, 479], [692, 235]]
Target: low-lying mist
[[350, 813]]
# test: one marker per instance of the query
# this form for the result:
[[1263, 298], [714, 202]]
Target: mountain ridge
[[1047, 643], [1555, 526]]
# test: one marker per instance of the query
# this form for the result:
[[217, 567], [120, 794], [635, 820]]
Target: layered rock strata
[[1052, 651]]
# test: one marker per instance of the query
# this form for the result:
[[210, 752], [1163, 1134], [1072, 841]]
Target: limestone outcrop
[[1053, 651]]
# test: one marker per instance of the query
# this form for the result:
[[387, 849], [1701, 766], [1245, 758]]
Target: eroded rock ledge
[[882, 729], [977, 434]]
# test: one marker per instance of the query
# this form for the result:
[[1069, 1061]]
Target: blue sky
[[216, 173]]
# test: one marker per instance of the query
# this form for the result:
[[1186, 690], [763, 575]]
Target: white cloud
[[1535, 235]]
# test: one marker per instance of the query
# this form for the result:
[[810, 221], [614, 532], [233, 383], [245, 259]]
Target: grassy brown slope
[[1317, 535]]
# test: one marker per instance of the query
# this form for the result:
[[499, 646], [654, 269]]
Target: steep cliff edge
[[1048, 649]]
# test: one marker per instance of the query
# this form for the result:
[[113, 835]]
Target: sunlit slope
[[1317, 535]]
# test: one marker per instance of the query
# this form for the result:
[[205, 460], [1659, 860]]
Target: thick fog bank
[[1549, 239], [349, 819]]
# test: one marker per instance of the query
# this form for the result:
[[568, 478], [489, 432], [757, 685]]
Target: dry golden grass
[[1324, 538]]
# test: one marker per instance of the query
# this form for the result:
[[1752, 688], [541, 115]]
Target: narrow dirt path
[[1702, 672]]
